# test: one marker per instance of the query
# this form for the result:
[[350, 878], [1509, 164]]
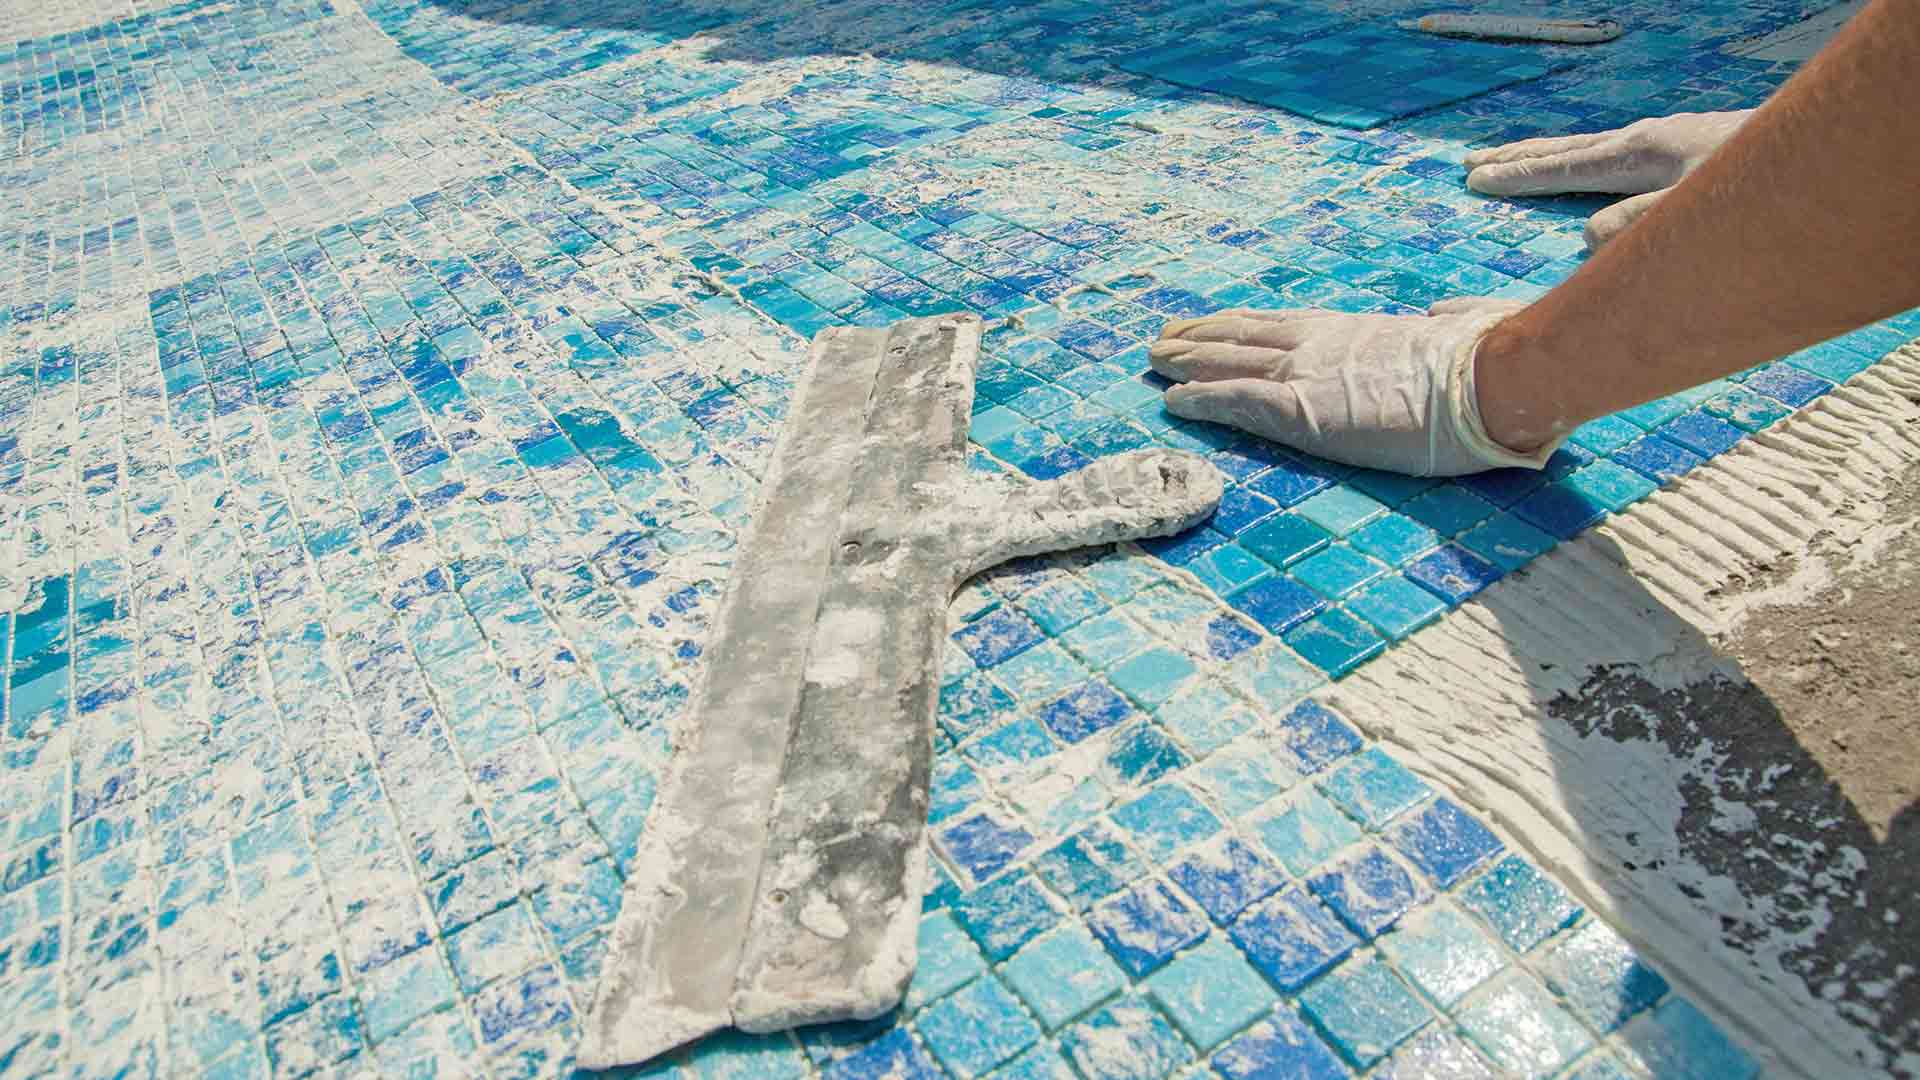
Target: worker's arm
[[1805, 224]]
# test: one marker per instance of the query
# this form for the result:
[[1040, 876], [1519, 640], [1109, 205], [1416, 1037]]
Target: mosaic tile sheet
[[382, 395], [1355, 76]]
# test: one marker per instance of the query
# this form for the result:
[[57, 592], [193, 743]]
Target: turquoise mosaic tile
[[371, 465]]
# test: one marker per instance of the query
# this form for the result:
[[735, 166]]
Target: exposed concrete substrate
[[1703, 713]]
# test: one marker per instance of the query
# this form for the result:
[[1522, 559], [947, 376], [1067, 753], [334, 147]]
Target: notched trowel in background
[[779, 878]]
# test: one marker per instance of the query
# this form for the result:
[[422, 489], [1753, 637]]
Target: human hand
[[1389, 392], [1643, 160]]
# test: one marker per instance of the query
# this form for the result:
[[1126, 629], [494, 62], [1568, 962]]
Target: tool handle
[[1518, 28], [1133, 496]]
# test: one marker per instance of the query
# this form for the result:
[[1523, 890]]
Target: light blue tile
[[1373, 788], [1523, 1030], [1210, 992], [976, 1028], [1062, 975], [1521, 903], [1365, 1008], [1443, 952], [1304, 831]]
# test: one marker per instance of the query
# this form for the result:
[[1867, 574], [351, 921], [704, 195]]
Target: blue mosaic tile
[[1444, 841], [1436, 1055], [1210, 992], [1225, 876], [496, 578], [1127, 1040], [1281, 1046], [1063, 975], [1600, 977], [1304, 831], [1507, 541], [1291, 939], [1092, 708], [1365, 1009], [1042, 1062], [1278, 604], [947, 960], [1393, 539], [998, 636], [1370, 892], [1520, 1026], [1315, 736], [1088, 866], [976, 1028], [1352, 75], [1005, 915], [1678, 1040], [1143, 927], [1240, 779], [1334, 641], [1373, 788], [1452, 573], [1443, 953], [894, 1054], [1395, 606], [985, 845], [1166, 820], [1522, 904], [1153, 676]]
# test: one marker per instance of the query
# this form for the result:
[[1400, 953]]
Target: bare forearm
[[1804, 225]]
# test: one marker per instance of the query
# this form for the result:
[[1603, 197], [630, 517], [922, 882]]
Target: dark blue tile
[[1288, 482], [1370, 892], [1291, 938], [1227, 875], [1186, 547], [1559, 510], [1315, 736], [1245, 460], [1095, 706], [1444, 841], [985, 846], [1452, 573], [1283, 1047], [1277, 603], [1092, 340], [1702, 433], [1055, 461], [1657, 458], [1503, 487], [893, 1056], [1228, 637], [998, 635], [1145, 926], [1240, 509], [1791, 385]]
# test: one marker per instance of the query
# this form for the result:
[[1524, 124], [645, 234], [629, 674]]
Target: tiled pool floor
[[383, 393]]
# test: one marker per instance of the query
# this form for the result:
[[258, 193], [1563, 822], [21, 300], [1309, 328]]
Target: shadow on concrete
[[1831, 891]]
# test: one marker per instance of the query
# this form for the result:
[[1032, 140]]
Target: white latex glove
[[1643, 160], [1388, 392]]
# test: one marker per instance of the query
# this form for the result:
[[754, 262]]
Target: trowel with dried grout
[[779, 878]]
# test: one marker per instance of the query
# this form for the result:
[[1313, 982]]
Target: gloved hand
[[1643, 160], [1391, 392]]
